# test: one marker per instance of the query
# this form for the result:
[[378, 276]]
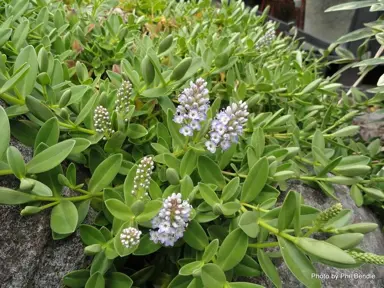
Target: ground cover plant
[[190, 121]]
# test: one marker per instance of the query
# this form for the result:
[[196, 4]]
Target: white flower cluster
[[194, 104], [171, 221], [123, 98], [143, 176], [102, 121], [227, 126], [130, 237], [266, 40]]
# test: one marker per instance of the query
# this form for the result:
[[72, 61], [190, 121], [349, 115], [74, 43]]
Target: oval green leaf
[[210, 172], [256, 180], [91, 235], [324, 250], [118, 280], [212, 276], [105, 172], [269, 268], [119, 210], [5, 132], [64, 217], [298, 263], [195, 236], [50, 157], [96, 281], [16, 162], [248, 223], [287, 211], [232, 250], [13, 197], [48, 133]]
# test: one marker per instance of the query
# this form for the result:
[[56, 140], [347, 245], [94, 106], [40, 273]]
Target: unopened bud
[[172, 176], [358, 228], [26, 184], [64, 114], [92, 249], [138, 207], [43, 78], [30, 210], [64, 99], [217, 209]]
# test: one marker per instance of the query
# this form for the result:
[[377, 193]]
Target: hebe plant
[[190, 121]]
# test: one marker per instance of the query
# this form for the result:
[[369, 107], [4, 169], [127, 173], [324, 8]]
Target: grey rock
[[29, 257], [373, 242], [371, 125], [326, 26], [59, 258]]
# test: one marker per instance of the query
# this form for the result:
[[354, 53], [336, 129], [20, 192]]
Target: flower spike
[[130, 237], [227, 126], [171, 221], [102, 121], [193, 108], [123, 99], [143, 176]]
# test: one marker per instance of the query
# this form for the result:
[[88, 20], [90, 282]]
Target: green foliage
[[59, 63]]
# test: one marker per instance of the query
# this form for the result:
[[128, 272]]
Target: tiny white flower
[[186, 131], [178, 119], [210, 146], [220, 128], [215, 137], [193, 114], [195, 125], [225, 145]]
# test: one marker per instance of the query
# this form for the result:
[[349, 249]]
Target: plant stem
[[72, 127], [276, 231], [374, 179], [234, 174], [307, 161], [73, 199], [309, 178], [5, 172], [263, 245], [268, 227], [11, 99], [66, 125], [311, 231], [341, 121], [181, 152], [49, 205], [81, 191], [255, 208], [88, 131]]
